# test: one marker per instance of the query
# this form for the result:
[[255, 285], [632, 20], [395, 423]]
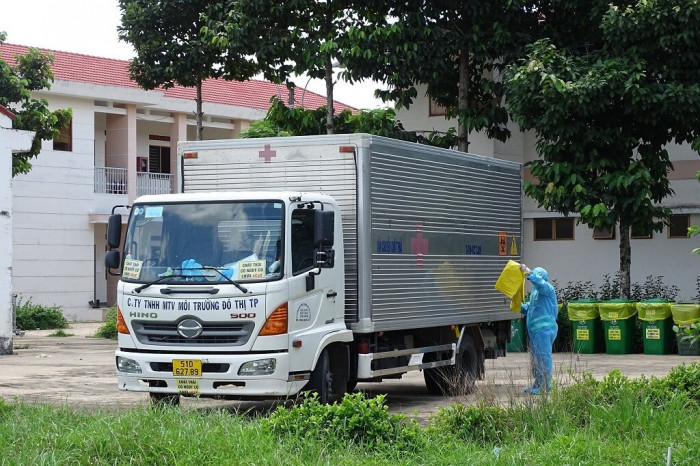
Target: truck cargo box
[[426, 230]]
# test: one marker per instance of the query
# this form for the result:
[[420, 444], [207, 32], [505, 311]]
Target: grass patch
[[109, 328], [61, 333], [612, 421]]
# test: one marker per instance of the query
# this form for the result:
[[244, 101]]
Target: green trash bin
[[684, 315], [618, 325], [657, 326], [518, 336], [586, 326]]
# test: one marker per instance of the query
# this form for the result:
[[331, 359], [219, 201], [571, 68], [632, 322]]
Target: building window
[[435, 109], [641, 233], [678, 226], [560, 228], [158, 159], [64, 140], [603, 233]]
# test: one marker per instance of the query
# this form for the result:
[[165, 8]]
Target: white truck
[[314, 263]]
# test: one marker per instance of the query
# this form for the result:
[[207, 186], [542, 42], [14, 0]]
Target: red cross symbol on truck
[[419, 245], [267, 153]]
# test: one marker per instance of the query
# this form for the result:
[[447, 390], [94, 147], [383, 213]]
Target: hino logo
[[189, 328], [143, 315]]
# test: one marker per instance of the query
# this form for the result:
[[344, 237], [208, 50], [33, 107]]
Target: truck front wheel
[[321, 378], [165, 399]]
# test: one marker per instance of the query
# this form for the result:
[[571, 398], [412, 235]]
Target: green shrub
[[32, 316], [483, 425], [356, 420], [109, 327]]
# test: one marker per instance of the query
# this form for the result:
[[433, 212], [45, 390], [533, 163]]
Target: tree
[[31, 72], [456, 48], [605, 105], [171, 48], [285, 121], [291, 37]]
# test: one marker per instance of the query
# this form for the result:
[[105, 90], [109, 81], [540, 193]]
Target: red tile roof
[[110, 72]]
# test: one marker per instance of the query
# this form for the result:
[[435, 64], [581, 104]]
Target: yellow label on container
[[653, 334], [613, 315], [582, 334], [614, 334], [651, 313]]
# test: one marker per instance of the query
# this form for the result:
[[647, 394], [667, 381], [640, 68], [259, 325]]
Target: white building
[[572, 253], [10, 141], [121, 144]]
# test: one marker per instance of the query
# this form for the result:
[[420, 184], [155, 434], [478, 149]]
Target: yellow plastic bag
[[511, 283]]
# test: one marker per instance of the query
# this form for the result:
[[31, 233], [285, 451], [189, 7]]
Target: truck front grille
[[213, 333]]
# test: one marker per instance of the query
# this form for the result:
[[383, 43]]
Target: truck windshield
[[184, 242]]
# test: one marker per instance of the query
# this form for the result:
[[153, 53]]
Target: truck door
[[317, 306]]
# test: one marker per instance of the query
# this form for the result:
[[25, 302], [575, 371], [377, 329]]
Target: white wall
[[10, 141], [53, 239]]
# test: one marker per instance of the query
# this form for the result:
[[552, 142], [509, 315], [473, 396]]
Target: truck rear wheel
[[459, 379], [321, 378]]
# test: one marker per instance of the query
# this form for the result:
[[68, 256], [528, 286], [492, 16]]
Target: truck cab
[[229, 295]]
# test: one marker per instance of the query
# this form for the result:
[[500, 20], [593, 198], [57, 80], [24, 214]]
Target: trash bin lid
[[616, 309], [654, 309], [685, 313], [579, 310]]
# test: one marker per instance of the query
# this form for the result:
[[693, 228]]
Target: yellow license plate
[[187, 368]]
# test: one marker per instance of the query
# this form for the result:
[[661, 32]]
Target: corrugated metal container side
[[423, 226]]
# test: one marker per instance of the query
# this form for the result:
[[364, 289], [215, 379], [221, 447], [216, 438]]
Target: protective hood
[[541, 272]]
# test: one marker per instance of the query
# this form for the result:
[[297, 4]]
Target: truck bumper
[[220, 375]]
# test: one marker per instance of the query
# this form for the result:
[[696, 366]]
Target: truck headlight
[[259, 367], [128, 365]]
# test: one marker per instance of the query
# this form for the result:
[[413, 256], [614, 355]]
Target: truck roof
[[229, 196]]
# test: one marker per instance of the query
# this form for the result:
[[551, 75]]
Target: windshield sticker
[[251, 270], [154, 211], [132, 269]]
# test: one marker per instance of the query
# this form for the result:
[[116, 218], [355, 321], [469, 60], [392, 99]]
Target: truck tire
[[321, 378], [164, 399], [456, 380], [466, 367]]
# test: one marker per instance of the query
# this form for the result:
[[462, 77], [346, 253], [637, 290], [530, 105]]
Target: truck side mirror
[[112, 259], [324, 223], [114, 231]]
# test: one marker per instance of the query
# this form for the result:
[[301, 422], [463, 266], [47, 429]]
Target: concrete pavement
[[79, 371]]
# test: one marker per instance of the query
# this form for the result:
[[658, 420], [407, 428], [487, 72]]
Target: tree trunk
[[625, 260], [463, 102], [329, 95], [198, 115]]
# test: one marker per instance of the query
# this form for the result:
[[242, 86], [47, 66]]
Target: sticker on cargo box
[[582, 334], [132, 269], [251, 270], [502, 243], [188, 386], [653, 334], [614, 334]]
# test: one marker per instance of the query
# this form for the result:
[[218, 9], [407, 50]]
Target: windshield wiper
[[181, 275], [232, 282], [157, 280]]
